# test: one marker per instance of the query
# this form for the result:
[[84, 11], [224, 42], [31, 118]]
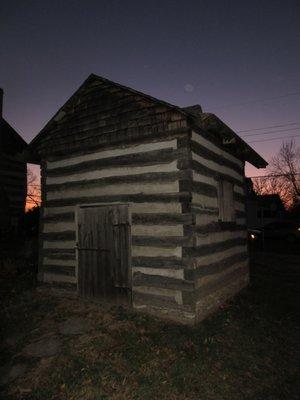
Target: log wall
[[148, 177], [13, 180], [218, 261], [109, 145]]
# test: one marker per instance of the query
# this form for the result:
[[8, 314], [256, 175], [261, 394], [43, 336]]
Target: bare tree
[[273, 185], [287, 164], [284, 175], [33, 190]]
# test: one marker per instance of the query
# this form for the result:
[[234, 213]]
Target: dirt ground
[[56, 346]]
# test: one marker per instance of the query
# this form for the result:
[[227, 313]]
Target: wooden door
[[104, 252]]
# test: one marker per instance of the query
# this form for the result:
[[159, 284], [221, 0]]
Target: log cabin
[[143, 202], [13, 175]]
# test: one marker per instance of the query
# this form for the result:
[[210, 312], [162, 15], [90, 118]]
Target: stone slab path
[[74, 326]]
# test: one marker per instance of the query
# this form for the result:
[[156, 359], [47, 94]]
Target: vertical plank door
[[104, 252]]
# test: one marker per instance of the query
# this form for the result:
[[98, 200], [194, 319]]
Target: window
[[226, 201]]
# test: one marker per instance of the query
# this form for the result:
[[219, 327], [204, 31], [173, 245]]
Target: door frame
[[86, 205]]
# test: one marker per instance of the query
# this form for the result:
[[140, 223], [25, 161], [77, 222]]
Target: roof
[[10, 141], [199, 120], [211, 122]]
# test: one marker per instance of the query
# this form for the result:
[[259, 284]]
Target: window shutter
[[226, 201]]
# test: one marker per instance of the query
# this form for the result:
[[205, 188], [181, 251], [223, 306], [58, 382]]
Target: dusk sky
[[237, 59]]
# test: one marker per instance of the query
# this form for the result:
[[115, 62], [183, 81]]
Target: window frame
[[226, 201]]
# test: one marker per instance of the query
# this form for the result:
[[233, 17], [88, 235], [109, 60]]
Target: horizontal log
[[67, 281], [215, 139], [60, 244], [59, 269], [169, 272], [20, 180], [214, 268], [219, 283], [113, 151], [169, 167], [211, 173], [59, 256], [12, 165], [157, 230], [162, 302], [204, 210], [112, 142], [157, 262], [140, 279], [138, 159], [204, 152], [61, 217], [217, 227], [58, 236], [135, 198], [162, 241], [157, 177], [168, 187], [162, 219], [114, 138], [54, 251], [148, 241], [213, 247], [205, 189], [138, 219]]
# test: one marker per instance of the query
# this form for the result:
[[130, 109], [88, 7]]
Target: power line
[[258, 100], [268, 127], [269, 140], [269, 132]]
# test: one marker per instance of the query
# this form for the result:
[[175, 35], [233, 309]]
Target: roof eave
[[230, 138]]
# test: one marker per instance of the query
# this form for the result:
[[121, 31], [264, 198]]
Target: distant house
[[13, 175], [262, 209], [143, 202]]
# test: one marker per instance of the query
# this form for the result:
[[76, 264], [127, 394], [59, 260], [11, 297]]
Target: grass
[[245, 351]]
